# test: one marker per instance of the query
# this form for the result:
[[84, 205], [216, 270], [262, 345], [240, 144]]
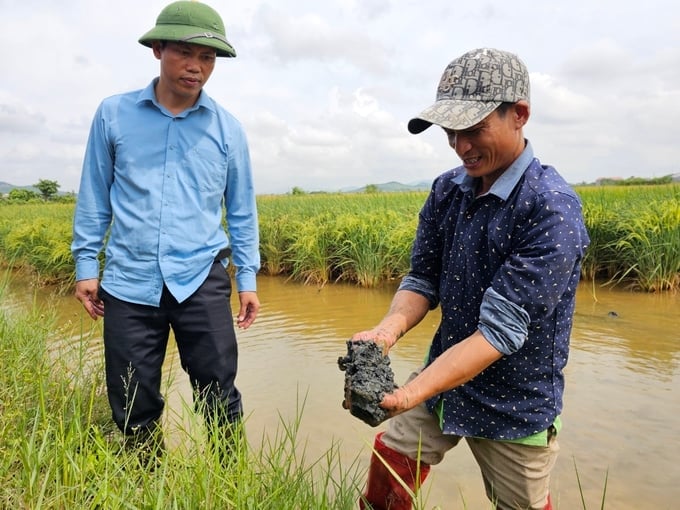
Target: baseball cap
[[473, 86], [191, 22]]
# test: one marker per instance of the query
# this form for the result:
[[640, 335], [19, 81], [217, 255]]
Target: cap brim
[[452, 114], [187, 34]]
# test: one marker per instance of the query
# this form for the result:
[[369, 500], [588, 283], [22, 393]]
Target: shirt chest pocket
[[204, 168]]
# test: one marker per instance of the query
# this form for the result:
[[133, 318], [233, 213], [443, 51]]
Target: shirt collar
[[508, 179], [148, 94]]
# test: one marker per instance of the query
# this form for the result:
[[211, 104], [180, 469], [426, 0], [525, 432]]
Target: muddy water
[[622, 403]]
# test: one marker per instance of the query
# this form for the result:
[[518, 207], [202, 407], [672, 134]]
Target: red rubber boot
[[548, 506], [384, 491]]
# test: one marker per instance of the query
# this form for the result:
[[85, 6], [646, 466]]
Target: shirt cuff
[[246, 282], [87, 269], [504, 324], [422, 287]]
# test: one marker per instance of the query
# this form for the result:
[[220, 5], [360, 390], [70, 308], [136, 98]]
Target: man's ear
[[522, 112], [156, 47]]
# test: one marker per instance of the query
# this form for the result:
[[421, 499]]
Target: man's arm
[[92, 216], [455, 366], [406, 311], [241, 211]]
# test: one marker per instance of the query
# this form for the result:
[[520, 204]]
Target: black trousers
[[135, 342]]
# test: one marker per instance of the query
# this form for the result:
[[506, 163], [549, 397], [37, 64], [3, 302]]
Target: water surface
[[622, 403]]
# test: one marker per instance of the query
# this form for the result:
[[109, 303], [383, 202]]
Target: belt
[[223, 254]]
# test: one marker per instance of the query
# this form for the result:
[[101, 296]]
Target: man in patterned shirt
[[498, 247]]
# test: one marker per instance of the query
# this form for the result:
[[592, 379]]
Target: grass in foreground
[[58, 448]]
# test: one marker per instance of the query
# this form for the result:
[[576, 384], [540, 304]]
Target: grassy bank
[[366, 239], [58, 449]]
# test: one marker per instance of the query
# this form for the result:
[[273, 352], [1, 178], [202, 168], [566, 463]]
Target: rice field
[[635, 236], [365, 238]]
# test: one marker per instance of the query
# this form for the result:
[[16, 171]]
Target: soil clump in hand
[[368, 377]]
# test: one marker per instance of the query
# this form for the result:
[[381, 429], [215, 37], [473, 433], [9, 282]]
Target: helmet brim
[[187, 34]]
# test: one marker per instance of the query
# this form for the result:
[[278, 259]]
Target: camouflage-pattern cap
[[473, 86]]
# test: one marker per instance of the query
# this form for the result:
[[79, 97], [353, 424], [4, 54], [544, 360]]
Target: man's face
[[488, 148], [185, 68]]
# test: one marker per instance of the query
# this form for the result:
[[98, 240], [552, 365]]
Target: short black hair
[[504, 107]]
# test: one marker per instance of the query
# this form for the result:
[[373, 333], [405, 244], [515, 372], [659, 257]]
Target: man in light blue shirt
[[163, 168]]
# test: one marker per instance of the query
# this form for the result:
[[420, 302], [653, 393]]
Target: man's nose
[[460, 142]]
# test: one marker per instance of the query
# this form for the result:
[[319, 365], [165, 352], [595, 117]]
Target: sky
[[324, 90]]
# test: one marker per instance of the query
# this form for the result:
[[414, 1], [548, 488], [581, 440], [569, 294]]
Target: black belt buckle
[[223, 254]]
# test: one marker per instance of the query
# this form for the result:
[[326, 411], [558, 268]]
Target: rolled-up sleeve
[[422, 287], [504, 324]]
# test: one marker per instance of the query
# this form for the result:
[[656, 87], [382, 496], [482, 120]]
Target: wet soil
[[368, 377]]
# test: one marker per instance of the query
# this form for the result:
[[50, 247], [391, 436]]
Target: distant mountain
[[6, 187], [392, 186]]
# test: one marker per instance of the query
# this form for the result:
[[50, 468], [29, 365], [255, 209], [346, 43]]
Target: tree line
[[48, 191]]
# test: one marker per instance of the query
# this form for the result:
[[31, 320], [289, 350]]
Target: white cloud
[[554, 102], [325, 90], [289, 37]]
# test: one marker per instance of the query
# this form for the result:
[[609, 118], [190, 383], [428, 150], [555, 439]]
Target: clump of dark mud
[[368, 377]]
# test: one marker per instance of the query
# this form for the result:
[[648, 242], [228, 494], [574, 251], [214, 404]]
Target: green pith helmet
[[190, 22]]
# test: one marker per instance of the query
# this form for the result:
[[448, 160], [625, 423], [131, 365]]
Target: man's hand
[[406, 310], [380, 335], [250, 306], [87, 293], [399, 401]]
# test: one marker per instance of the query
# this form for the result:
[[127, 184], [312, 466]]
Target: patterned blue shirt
[[506, 263], [161, 183]]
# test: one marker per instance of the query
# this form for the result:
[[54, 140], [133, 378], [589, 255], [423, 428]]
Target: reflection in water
[[622, 403]]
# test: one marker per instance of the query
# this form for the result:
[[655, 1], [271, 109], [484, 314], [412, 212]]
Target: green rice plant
[[313, 250], [649, 245], [400, 238], [366, 238], [275, 238], [635, 239], [601, 219], [356, 238], [360, 256], [37, 238], [370, 252]]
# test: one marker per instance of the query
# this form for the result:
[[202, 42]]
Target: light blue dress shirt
[[155, 186]]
